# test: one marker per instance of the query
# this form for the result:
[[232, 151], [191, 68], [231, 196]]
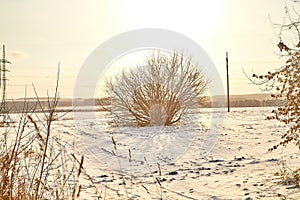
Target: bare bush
[[159, 92]]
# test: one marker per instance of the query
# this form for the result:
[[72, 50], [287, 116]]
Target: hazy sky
[[39, 33]]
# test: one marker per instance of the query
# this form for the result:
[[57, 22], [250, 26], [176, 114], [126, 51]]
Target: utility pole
[[228, 99], [3, 70]]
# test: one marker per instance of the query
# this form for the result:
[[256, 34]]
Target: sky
[[39, 34]]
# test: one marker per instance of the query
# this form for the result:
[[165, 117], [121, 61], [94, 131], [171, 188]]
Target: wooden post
[[228, 99]]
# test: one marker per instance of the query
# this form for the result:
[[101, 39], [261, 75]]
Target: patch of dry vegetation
[[287, 175], [34, 162]]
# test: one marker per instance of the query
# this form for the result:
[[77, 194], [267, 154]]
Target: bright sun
[[194, 18]]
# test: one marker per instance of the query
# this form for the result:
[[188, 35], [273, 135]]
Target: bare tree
[[159, 92], [285, 82]]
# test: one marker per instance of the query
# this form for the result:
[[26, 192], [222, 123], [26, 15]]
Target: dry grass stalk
[[81, 169], [156, 180]]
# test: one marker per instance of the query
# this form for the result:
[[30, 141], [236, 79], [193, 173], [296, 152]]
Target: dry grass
[[34, 161], [287, 175]]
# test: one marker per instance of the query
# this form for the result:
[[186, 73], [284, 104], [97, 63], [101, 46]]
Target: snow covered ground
[[212, 155]]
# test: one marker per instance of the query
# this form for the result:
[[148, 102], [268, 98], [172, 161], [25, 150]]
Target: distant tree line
[[256, 103], [206, 103], [16, 106]]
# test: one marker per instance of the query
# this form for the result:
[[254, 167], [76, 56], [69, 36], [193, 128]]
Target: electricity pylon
[[3, 81]]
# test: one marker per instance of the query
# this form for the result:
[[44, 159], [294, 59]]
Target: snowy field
[[211, 155]]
